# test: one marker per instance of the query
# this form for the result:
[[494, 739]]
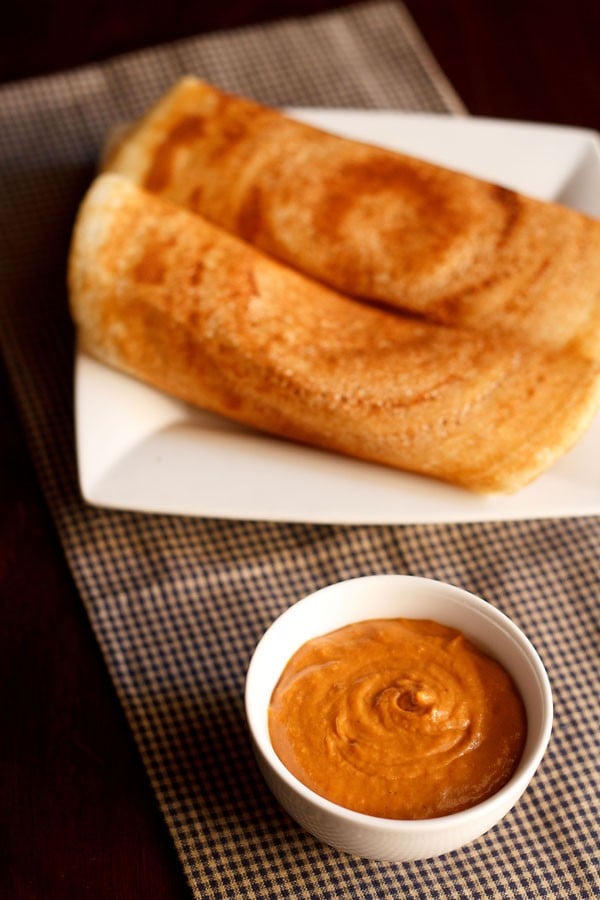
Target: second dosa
[[372, 223]]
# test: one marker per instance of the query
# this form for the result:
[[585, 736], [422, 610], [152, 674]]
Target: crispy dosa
[[166, 296], [372, 223]]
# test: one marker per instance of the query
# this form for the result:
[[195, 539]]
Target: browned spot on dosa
[[511, 206], [150, 269], [428, 222], [251, 215], [188, 129]]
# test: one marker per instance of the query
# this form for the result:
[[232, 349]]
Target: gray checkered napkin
[[177, 604]]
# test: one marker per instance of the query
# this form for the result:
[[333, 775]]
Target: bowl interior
[[405, 596]]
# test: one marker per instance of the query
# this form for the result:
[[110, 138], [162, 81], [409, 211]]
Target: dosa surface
[[370, 222], [166, 296]]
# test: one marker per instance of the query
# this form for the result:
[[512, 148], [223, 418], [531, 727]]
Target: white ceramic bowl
[[388, 596]]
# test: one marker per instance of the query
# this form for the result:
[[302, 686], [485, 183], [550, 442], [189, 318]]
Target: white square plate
[[141, 450]]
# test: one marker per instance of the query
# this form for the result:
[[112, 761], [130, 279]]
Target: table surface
[[79, 819]]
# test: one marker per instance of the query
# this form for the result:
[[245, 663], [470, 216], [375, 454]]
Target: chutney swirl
[[398, 718]]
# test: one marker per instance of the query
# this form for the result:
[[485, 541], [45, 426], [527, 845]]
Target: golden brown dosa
[[166, 296], [372, 223]]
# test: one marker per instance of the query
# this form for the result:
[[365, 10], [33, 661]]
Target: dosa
[[166, 296], [372, 223]]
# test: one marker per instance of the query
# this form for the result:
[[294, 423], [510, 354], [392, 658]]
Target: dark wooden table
[[78, 819]]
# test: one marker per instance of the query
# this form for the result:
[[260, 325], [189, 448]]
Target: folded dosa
[[164, 295], [370, 222]]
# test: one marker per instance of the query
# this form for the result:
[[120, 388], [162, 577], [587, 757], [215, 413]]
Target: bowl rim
[[503, 799]]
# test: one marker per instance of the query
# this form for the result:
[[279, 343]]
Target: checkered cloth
[[177, 604]]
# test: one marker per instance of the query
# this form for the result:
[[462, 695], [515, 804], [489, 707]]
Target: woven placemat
[[177, 604]]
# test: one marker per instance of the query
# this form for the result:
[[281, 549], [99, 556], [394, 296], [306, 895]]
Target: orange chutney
[[399, 718]]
